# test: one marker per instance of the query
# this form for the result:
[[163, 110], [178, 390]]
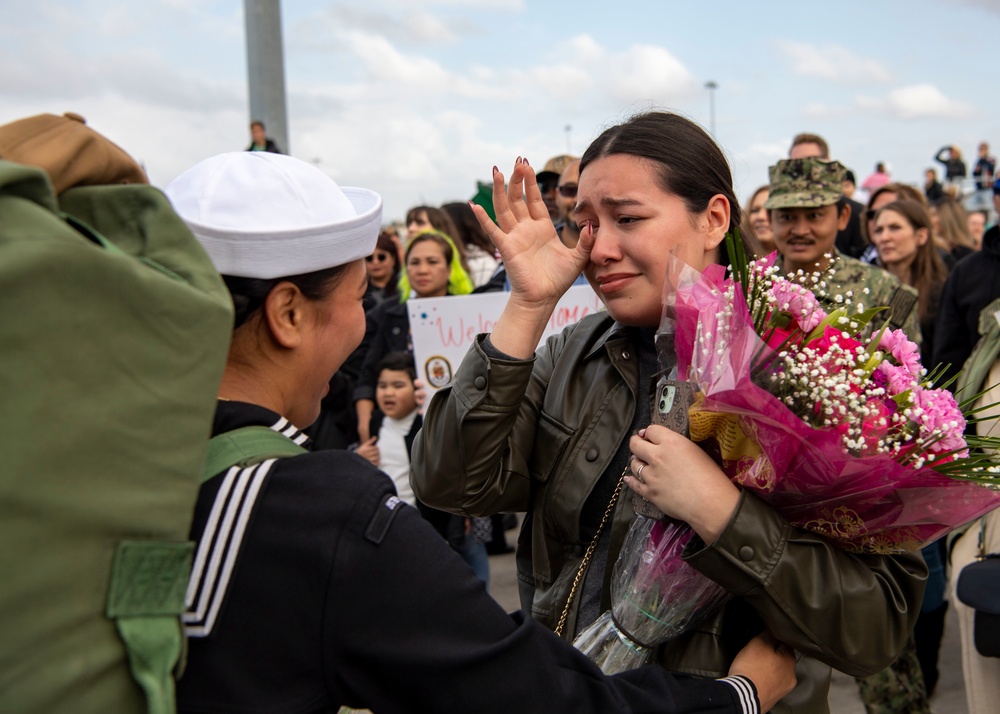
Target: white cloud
[[405, 24], [833, 63], [647, 72], [411, 73], [639, 73], [927, 101], [920, 101], [55, 72]]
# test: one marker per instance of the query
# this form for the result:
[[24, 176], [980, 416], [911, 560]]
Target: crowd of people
[[358, 560]]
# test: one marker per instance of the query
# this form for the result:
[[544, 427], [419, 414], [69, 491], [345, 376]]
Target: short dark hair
[[812, 139], [397, 362], [257, 122], [438, 218], [249, 294]]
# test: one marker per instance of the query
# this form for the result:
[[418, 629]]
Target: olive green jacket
[[536, 435]]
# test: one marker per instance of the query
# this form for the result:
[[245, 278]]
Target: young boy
[[395, 423]]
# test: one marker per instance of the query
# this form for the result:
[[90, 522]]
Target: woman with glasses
[[383, 271]]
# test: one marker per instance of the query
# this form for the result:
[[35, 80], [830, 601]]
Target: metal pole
[[266, 68], [711, 87]]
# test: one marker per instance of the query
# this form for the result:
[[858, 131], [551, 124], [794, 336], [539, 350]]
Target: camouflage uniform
[[849, 275], [812, 183], [898, 689]]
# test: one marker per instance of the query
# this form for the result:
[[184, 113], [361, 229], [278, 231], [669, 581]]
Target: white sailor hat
[[263, 215]]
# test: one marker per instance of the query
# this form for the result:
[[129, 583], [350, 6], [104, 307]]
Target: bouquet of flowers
[[832, 422]]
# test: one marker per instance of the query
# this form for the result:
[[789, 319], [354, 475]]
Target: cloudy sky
[[418, 99]]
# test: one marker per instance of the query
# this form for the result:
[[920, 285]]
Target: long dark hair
[[928, 272], [690, 165], [249, 294], [468, 230], [386, 244]]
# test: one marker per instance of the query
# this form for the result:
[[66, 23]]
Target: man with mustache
[[807, 210]]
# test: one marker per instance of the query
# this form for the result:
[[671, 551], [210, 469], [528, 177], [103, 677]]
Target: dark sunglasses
[[546, 186], [568, 191], [870, 214], [377, 257]]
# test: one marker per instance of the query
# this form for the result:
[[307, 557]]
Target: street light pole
[[711, 87], [266, 68]]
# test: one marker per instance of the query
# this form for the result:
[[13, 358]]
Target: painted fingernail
[[526, 163], [495, 170], [642, 433], [517, 161]]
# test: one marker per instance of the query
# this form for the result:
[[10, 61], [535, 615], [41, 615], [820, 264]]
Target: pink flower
[[906, 353], [900, 378], [938, 416], [800, 302]]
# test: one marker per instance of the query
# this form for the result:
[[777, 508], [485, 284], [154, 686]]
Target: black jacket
[[387, 330], [851, 241], [973, 284], [954, 167], [269, 146], [340, 594]]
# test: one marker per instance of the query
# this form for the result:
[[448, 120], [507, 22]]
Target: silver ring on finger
[[638, 473]]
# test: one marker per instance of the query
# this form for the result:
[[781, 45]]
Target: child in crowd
[[395, 422]]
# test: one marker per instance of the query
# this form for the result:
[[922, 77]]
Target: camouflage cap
[[805, 183]]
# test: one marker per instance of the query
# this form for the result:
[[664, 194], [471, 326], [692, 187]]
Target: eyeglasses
[[546, 186], [377, 257], [568, 191], [870, 214]]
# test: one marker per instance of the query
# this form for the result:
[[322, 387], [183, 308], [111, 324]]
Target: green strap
[[145, 600], [246, 446]]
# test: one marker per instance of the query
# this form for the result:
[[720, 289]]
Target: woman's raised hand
[[539, 266]]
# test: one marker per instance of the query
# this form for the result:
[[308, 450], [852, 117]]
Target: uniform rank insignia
[[378, 526]]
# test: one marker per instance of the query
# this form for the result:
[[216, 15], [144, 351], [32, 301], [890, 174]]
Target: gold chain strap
[[585, 563]]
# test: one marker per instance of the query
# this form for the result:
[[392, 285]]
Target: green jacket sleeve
[[851, 611], [472, 454]]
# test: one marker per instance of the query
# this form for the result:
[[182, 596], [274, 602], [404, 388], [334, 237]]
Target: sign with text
[[444, 328]]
